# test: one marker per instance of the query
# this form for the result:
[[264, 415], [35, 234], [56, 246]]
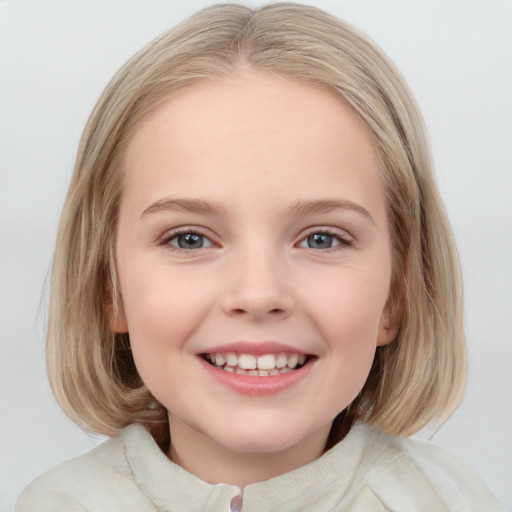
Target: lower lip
[[254, 385]]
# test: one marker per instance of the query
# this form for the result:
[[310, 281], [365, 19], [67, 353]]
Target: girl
[[255, 290]]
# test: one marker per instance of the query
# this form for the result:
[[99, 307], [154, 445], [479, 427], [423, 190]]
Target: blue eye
[[324, 240], [321, 241], [188, 240]]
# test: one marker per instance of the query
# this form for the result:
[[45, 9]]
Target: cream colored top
[[369, 471]]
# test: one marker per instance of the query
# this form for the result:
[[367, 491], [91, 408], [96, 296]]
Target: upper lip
[[253, 347]]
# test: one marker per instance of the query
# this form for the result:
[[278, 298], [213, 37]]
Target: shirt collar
[[172, 488]]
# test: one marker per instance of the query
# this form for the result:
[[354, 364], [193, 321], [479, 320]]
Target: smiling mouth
[[264, 365]]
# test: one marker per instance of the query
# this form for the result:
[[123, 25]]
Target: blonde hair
[[416, 378]]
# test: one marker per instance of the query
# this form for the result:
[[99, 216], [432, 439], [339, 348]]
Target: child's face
[[253, 221]]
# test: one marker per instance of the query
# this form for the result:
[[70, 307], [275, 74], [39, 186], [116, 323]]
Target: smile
[[257, 368], [264, 365]]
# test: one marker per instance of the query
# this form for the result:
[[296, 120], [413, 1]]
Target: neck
[[213, 463]]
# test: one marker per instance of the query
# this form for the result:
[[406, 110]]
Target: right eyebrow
[[184, 205]]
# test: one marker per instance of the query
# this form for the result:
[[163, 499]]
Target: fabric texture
[[369, 471]]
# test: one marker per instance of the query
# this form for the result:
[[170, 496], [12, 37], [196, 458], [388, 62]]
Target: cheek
[[347, 312], [350, 304], [161, 318], [161, 314], [348, 318]]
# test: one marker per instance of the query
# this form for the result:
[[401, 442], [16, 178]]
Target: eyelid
[[184, 230], [343, 236]]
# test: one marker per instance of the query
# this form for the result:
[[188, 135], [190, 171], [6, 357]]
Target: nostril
[[257, 306]]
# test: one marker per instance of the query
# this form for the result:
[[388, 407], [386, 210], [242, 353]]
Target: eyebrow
[[200, 206], [328, 205], [184, 205]]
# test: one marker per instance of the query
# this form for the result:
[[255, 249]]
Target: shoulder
[[81, 484], [410, 472]]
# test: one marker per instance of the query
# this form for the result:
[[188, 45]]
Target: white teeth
[[247, 361], [281, 361], [292, 361], [231, 359], [266, 362], [263, 365], [256, 373]]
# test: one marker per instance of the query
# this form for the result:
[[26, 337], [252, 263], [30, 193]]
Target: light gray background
[[56, 57]]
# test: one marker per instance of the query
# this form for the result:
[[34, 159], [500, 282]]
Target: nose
[[258, 288]]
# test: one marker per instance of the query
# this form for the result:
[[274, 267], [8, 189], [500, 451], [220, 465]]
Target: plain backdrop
[[56, 57]]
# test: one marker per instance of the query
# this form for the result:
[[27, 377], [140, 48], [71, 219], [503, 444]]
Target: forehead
[[247, 131]]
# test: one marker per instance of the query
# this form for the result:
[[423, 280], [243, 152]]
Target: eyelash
[[175, 233], [343, 238]]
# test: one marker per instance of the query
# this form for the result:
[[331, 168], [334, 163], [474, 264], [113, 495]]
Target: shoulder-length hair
[[414, 379]]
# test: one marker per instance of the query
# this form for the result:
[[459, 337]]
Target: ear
[[115, 317], [388, 325]]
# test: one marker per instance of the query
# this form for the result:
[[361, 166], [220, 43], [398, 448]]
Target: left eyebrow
[[185, 205], [329, 205]]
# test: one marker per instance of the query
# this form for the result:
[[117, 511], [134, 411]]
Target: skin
[[259, 150]]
